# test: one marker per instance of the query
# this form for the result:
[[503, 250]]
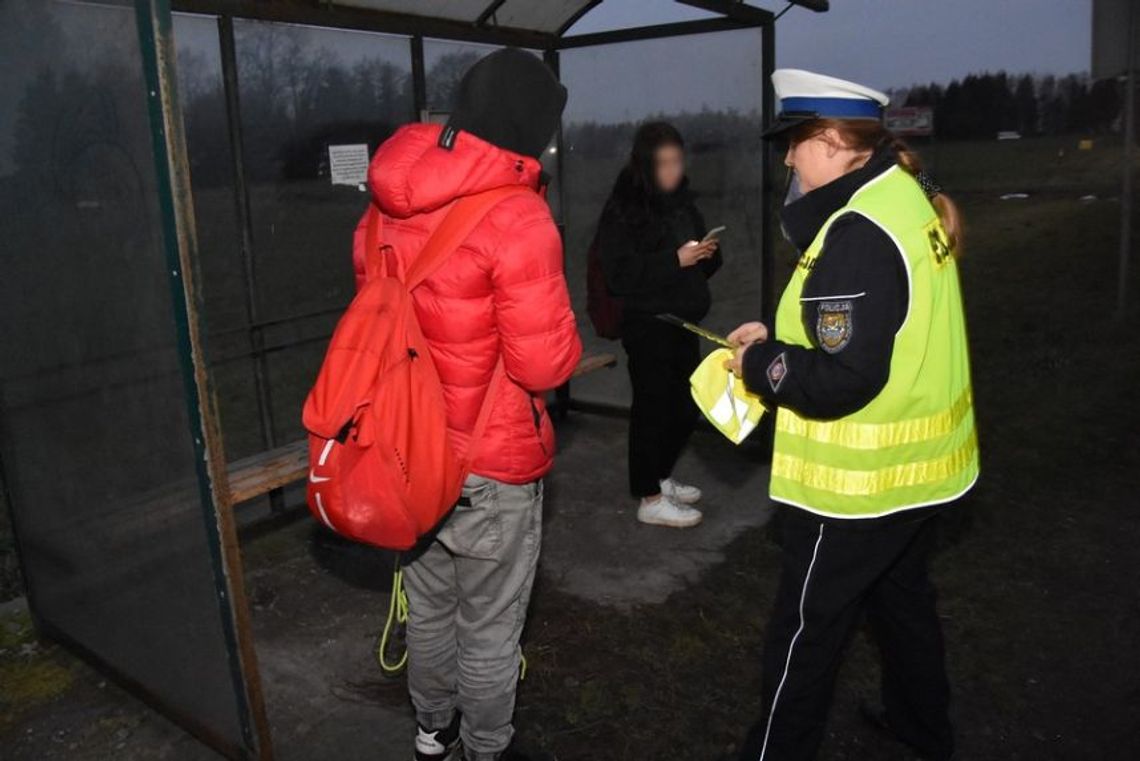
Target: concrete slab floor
[[594, 546], [319, 603]]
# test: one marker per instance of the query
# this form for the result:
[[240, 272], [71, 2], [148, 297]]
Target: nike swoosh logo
[[314, 478]]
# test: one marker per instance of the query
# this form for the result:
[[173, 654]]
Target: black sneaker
[[876, 717], [439, 744]]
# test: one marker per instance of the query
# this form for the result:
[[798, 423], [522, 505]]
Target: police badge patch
[[833, 325], [777, 371]]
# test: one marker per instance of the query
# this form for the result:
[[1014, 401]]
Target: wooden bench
[[591, 362], [262, 473]]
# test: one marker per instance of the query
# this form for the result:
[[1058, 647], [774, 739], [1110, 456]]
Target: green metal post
[[176, 207]]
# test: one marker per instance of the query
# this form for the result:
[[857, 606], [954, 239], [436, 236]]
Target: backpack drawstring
[[398, 619]]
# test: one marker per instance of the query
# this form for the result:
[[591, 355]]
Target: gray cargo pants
[[467, 600]]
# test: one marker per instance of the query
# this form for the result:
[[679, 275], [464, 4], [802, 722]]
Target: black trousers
[[661, 359], [832, 573]]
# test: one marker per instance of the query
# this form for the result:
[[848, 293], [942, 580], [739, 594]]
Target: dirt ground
[[1039, 575]]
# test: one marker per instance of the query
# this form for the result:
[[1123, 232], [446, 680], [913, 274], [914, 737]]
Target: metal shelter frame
[[156, 37]]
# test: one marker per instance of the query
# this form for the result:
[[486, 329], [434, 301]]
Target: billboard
[[911, 121]]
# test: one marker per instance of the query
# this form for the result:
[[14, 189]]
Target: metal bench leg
[[562, 400]]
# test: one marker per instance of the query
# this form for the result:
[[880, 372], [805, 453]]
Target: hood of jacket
[[412, 173], [511, 99]]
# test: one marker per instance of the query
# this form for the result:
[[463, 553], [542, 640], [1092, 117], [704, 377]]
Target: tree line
[[981, 105]]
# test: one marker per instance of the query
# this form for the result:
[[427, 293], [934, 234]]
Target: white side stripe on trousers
[[792, 644]]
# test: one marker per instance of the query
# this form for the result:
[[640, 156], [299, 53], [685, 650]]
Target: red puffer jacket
[[503, 291]]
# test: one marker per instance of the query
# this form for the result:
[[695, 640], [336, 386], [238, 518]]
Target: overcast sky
[[881, 43], [892, 43]]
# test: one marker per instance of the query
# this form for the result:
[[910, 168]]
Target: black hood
[[511, 100]]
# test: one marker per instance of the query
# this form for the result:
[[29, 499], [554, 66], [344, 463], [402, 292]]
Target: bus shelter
[[178, 186]]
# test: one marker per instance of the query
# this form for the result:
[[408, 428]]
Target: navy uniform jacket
[[859, 266]]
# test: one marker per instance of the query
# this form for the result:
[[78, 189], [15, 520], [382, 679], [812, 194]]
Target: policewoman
[[867, 366]]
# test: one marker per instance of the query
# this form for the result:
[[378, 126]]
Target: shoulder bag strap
[[463, 217], [480, 428], [373, 257]]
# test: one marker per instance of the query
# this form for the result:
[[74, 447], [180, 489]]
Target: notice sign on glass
[[348, 164]]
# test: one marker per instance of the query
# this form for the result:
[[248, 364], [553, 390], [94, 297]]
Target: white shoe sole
[[687, 522]]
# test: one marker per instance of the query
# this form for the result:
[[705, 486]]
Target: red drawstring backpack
[[382, 468]]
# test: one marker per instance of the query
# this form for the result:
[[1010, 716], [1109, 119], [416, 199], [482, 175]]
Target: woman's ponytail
[[866, 136], [942, 203]]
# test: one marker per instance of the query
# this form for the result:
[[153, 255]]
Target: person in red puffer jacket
[[502, 292]]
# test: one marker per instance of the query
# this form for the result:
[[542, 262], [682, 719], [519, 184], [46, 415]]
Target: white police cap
[[804, 95]]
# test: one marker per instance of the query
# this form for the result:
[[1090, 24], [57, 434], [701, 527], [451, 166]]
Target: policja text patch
[[834, 325]]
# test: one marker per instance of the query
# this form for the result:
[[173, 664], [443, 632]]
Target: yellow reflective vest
[[722, 397], [915, 443]]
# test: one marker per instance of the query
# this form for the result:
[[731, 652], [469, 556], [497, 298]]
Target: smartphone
[[714, 234]]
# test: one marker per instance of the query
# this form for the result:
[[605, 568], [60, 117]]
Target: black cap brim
[[785, 122]]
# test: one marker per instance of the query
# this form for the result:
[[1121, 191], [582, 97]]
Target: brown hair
[[867, 135]]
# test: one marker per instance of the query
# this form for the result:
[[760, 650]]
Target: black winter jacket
[[637, 242], [861, 270]]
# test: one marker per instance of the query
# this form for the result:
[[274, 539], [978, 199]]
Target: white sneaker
[[679, 492], [441, 745], [663, 511]]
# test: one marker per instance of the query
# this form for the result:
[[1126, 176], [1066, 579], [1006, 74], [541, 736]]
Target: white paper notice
[[348, 164]]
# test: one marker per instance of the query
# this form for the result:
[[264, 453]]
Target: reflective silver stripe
[[792, 644], [840, 297]]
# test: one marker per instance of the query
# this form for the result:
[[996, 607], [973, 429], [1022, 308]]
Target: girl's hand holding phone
[[694, 251]]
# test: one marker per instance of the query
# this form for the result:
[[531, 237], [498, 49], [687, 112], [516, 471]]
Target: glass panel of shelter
[[304, 90], [95, 435], [230, 340], [301, 90], [710, 87]]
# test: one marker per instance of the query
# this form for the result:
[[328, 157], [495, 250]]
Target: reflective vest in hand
[[914, 444], [722, 397]]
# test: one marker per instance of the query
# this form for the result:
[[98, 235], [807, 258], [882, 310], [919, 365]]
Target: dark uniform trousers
[[832, 572], [662, 416]]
